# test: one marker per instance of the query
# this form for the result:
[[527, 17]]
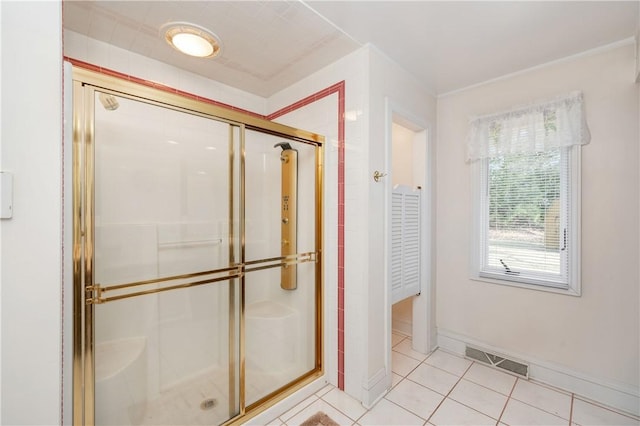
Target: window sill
[[568, 291]]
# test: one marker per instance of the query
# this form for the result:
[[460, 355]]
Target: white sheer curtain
[[533, 128]]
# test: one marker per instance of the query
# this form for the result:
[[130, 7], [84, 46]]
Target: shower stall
[[197, 258]]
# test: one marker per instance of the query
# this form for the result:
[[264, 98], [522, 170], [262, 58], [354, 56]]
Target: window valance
[[534, 128]]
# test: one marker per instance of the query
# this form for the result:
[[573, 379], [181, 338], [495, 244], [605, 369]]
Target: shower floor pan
[[200, 401]]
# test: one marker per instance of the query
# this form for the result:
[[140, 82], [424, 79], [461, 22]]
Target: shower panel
[[289, 159], [186, 229]]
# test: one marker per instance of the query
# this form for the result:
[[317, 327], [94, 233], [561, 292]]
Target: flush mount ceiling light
[[191, 39]]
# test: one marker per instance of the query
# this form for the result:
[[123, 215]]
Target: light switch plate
[[6, 195]]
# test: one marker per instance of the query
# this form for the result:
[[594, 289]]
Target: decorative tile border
[[156, 85]]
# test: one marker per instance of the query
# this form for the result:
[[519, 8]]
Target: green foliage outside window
[[521, 189]]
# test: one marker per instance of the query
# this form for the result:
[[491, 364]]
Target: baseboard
[[402, 326], [376, 387], [616, 395]]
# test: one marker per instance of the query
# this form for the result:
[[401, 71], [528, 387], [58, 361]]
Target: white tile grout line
[[487, 387], [604, 407], [580, 398], [342, 412], [548, 386], [444, 396], [410, 356], [507, 401], [398, 405], [449, 393], [544, 409], [442, 369], [301, 409], [384, 397], [571, 410], [509, 397]]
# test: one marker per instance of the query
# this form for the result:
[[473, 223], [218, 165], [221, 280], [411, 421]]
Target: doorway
[[409, 158]]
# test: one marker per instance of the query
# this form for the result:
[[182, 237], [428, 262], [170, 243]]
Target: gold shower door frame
[[87, 293]]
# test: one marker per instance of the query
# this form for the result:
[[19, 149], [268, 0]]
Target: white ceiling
[[447, 45]]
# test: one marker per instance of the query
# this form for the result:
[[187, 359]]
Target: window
[[526, 166]]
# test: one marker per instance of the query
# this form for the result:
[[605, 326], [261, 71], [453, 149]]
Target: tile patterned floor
[[444, 389]]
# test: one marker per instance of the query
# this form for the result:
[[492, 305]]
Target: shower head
[[109, 102], [284, 145]]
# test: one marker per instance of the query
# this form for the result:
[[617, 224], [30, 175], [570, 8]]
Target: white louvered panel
[[411, 245], [396, 242], [405, 243]]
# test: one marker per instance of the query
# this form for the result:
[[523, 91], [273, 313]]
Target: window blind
[[526, 231]]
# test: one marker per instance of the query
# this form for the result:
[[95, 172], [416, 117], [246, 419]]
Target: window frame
[[571, 219]]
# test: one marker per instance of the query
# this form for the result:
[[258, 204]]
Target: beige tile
[[402, 364], [396, 338], [395, 379], [434, 378], [386, 413], [454, 413], [448, 362], [324, 390], [490, 378], [585, 414], [542, 397], [415, 398], [319, 405], [479, 398], [298, 407], [405, 348], [519, 413], [345, 403]]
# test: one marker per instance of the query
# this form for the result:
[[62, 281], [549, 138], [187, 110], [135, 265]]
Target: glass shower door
[[196, 258], [280, 253], [165, 326]]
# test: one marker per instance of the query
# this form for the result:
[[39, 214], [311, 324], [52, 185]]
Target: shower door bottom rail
[[95, 294]]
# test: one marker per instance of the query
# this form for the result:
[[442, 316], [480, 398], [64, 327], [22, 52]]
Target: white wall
[[370, 78], [322, 117], [389, 85], [595, 335], [31, 241], [402, 155]]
